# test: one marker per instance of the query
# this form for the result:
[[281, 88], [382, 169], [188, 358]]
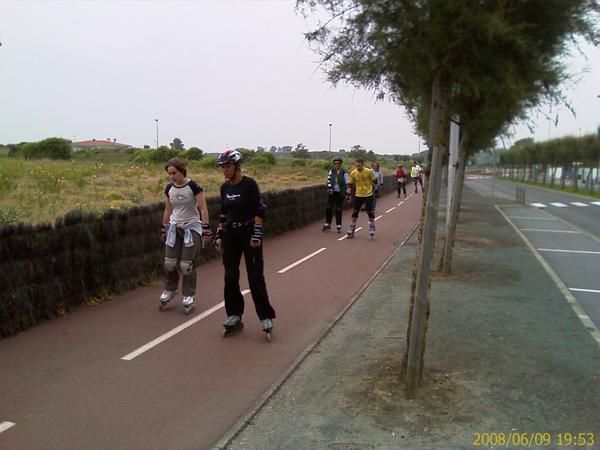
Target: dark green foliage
[[177, 144], [193, 153], [162, 155], [263, 158], [51, 148]]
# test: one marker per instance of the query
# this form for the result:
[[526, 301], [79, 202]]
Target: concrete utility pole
[[156, 120], [452, 164]]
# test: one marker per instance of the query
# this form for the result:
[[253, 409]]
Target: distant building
[[99, 144]]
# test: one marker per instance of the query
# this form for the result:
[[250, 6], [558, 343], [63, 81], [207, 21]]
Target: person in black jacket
[[240, 231], [337, 179]]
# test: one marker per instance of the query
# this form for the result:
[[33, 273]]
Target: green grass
[[556, 187]]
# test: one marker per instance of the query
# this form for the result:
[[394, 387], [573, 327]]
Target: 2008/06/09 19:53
[[534, 439]]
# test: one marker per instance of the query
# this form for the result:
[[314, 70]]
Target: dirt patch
[[442, 407]]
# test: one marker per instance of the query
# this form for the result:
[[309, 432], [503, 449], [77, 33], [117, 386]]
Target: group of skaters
[[367, 185], [185, 228]]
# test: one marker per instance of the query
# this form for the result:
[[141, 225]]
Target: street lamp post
[[156, 120], [330, 137]]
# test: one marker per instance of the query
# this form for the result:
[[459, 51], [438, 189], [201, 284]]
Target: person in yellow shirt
[[416, 173], [362, 179]]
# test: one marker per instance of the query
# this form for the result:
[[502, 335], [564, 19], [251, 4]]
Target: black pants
[[358, 202], [418, 180], [334, 200], [235, 242], [401, 188]]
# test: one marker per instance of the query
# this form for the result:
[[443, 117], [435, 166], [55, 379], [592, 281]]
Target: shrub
[[320, 164], [298, 162], [162, 155], [206, 163], [193, 154], [263, 158], [52, 148]]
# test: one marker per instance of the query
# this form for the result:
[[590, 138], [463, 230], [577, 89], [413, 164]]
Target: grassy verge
[[556, 187], [37, 191]]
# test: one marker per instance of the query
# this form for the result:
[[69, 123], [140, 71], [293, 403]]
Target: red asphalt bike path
[[65, 385]]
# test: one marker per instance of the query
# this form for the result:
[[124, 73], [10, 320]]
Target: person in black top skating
[[240, 231]]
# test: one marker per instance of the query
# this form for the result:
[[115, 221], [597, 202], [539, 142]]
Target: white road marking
[[344, 237], [595, 291], [559, 205], [391, 209], [169, 334], [538, 205], [585, 320], [533, 218], [586, 252], [377, 218], [579, 204], [550, 231], [5, 426], [595, 203], [400, 202], [300, 261]]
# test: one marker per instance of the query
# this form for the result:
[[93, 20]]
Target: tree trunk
[[422, 275], [562, 177], [459, 181], [575, 177]]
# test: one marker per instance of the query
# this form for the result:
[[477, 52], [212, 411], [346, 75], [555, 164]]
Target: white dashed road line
[[532, 218], [595, 203], [559, 205], [550, 231], [586, 252], [344, 237], [538, 205], [5, 426], [390, 210], [378, 217], [300, 261], [153, 343], [579, 204]]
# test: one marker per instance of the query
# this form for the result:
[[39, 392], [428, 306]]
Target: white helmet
[[229, 156]]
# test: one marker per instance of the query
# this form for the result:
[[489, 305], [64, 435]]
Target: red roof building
[[99, 144]]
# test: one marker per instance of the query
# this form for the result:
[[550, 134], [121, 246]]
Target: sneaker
[[167, 296], [187, 300], [326, 227], [266, 324], [232, 321]]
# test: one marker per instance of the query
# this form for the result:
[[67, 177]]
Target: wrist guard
[[257, 234], [219, 234], [206, 230]]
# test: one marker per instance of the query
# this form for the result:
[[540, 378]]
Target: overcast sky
[[217, 74]]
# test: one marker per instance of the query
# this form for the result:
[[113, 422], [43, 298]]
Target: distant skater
[[401, 180], [362, 179], [337, 180]]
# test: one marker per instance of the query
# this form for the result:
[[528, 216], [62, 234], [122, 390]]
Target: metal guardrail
[[520, 195]]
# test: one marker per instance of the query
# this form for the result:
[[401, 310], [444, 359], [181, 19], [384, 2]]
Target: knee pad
[[186, 267], [170, 264]]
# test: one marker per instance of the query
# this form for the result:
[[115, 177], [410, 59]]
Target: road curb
[[245, 420]]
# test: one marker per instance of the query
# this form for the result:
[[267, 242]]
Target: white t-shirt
[[183, 200]]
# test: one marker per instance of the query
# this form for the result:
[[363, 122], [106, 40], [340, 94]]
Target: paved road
[[581, 211], [66, 385], [564, 230]]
